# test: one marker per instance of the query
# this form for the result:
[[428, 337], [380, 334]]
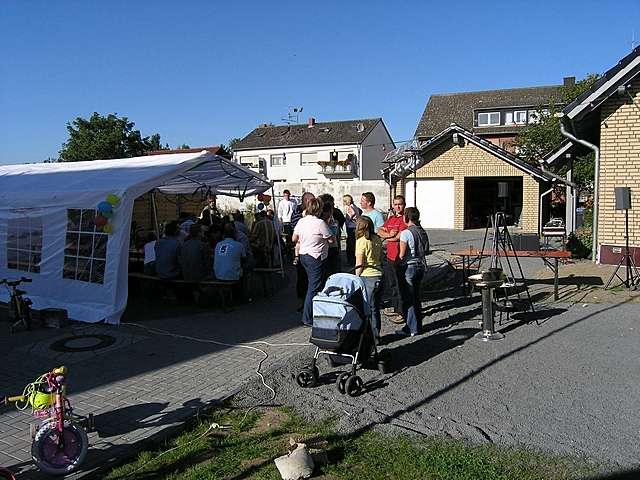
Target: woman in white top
[[313, 237], [414, 244]]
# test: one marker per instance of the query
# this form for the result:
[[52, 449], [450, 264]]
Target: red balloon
[[100, 221]]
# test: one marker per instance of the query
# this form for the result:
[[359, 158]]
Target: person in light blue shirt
[[368, 202], [229, 254]]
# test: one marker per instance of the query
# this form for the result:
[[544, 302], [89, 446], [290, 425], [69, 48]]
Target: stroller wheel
[[354, 386], [341, 382], [307, 377]]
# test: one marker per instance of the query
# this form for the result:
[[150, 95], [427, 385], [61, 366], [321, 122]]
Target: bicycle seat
[[20, 292]]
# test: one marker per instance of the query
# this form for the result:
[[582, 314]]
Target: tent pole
[[154, 208], [275, 217]]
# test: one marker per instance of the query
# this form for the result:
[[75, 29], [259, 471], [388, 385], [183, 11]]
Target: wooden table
[[551, 258]]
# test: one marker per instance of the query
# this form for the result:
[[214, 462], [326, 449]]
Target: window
[[343, 155], [250, 161], [520, 117], [508, 118], [278, 160], [85, 251], [24, 243], [308, 158], [488, 118]]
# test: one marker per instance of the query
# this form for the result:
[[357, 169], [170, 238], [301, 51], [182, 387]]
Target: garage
[[483, 196], [436, 201]]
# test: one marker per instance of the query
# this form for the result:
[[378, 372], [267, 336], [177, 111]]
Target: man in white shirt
[[286, 207]]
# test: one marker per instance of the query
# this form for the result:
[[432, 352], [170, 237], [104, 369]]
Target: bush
[[580, 243]]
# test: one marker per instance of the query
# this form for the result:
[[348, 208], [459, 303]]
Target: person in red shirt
[[390, 233]]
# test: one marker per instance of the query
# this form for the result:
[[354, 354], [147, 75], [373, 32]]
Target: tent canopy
[[48, 233], [184, 173]]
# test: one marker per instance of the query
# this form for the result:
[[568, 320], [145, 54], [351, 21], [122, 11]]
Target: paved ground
[[143, 385], [567, 385]]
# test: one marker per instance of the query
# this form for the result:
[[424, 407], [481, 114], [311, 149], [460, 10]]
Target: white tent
[[47, 230]]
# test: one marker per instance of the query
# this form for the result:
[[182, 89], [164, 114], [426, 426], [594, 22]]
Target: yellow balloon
[[108, 228], [113, 199]]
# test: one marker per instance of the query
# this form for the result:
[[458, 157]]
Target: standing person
[[210, 211], [414, 245], [351, 214], [286, 207], [368, 203], [314, 237], [335, 220], [368, 253], [238, 222], [167, 252], [394, 271], [301, 277]]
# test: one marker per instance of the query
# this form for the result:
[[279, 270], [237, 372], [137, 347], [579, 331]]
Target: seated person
[[167, 253], [195, 256], [150, 254], [263, 238], [229, 254]]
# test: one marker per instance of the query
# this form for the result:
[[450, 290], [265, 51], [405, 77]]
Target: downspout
[[596, 187]]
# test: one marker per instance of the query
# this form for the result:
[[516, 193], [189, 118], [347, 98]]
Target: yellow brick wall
[[452, 161], [619, 166]]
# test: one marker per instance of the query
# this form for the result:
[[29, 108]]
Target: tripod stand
[[632, 275], [502, 247]]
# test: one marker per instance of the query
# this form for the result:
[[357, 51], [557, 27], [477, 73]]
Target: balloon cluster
[[105, 212], [263, 201]]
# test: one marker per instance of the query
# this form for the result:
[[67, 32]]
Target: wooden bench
[[549, 257], [224, 288], [265, 273]]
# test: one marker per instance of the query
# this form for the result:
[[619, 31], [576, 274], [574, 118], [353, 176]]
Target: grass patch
[[255, 439]]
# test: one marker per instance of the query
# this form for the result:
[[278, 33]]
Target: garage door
[[435, 201]]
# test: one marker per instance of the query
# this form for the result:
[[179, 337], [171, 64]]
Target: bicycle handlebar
[[15, 283]]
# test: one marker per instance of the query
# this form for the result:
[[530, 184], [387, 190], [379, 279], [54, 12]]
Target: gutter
[[558, 177], [596, 186]]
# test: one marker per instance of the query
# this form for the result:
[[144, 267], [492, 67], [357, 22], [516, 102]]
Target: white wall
[[293, 171], [336, 188], [374, 148]]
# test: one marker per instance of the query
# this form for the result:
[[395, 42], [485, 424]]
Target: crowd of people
[[212, 246], [388, 254], [317, 225]]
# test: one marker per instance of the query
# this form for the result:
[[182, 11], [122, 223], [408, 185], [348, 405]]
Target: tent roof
[[186, 173]]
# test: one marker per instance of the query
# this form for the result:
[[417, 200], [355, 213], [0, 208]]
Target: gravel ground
[[567, 383]]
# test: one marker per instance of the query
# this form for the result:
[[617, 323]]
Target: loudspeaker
[[623, 198], [503, 189]]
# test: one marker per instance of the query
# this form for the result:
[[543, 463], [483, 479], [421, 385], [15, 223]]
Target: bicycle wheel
[[50, 457]]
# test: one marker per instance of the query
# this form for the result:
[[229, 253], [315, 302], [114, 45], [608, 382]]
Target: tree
[[184, 146], [232, 143], [102, 137]]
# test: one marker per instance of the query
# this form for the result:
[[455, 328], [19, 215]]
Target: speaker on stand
[[632, 277]]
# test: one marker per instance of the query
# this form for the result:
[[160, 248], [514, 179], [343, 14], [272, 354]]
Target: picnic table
[[550, 258]]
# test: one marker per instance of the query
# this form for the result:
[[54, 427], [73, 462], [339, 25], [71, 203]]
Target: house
[[457, 179], [606, 120], [463, 159], [347, 150], [495, 115]]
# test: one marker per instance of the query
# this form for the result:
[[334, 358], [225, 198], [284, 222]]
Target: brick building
[[607, 117], [460, 179]]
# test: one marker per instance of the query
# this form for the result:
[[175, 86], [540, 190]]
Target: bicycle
[[19, 306], [60, 442]]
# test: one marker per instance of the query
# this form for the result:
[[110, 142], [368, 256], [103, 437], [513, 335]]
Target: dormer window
[[520, 117], [486, 119]]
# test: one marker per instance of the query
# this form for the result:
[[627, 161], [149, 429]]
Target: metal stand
[[632, 275], [488, 332]]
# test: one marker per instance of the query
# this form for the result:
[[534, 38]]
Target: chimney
[[311, 122], [569, 82]]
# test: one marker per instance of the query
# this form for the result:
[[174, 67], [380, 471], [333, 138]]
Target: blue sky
[[203, 72]]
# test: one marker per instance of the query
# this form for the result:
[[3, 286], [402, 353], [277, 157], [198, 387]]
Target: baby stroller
[[342, 330]]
